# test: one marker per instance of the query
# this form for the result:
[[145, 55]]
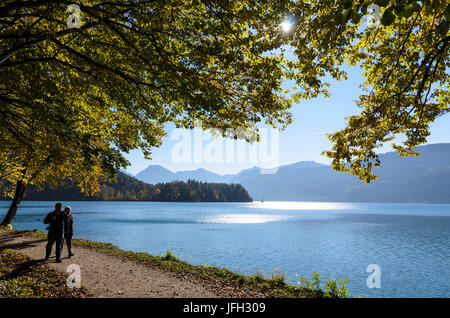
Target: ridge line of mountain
[[412, 179]]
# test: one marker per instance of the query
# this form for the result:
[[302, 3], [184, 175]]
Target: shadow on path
[[7, 242], [22, 269]]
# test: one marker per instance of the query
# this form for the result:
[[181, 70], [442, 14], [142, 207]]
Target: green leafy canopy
[[133, 66]]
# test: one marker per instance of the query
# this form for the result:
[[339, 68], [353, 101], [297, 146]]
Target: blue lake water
[[409, 242]]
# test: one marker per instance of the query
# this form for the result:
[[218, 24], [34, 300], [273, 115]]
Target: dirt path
[[108, 276]]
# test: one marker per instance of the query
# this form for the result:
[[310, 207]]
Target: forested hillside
[[130, 189]]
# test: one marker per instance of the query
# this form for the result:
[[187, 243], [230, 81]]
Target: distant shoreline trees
[[130, 189]]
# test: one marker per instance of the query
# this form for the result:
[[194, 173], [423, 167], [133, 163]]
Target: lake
[[409, 242]]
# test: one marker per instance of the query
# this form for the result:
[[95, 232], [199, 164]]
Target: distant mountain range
[[413, 179]]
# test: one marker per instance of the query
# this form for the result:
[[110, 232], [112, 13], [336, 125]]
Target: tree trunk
[[18, 196]]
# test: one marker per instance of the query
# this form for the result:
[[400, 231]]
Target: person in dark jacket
[[55, 232], [68, 229]]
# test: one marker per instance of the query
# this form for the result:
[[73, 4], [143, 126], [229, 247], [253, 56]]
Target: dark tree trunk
[[18, 196]]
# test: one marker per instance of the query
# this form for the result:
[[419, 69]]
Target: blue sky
[[303, 140]]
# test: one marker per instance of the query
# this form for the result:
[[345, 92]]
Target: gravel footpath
[[106, 275]]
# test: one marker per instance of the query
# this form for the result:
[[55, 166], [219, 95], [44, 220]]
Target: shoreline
[[219, 282]]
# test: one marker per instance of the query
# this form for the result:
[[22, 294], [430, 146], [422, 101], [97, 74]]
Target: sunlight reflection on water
[[243, 218], [282, 205]]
